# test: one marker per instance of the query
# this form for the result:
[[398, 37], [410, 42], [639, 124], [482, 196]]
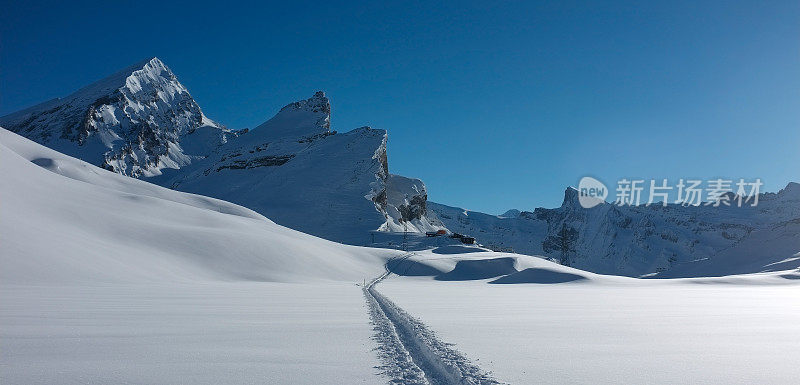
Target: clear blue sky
[[493, 106]]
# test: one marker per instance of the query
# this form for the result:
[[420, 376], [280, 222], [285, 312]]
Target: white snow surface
[[109, 279], [102, 226], [302, 119], [609, 330]]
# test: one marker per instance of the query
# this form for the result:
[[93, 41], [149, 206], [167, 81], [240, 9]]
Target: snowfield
[[200, 333], [110, 279], [594, 329], [66, 221]]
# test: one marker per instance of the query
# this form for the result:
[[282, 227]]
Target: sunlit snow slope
[[109, 279], [64, 220]]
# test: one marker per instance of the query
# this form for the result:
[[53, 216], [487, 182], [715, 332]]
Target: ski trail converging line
[[410, 352]]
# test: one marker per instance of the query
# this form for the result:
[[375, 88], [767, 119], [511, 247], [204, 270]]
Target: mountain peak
[[301, 119], [570, 197], [513, 213], [132, 121], [319, 103], [791, 190], [144, 71]]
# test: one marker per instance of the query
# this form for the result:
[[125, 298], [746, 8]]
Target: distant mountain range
[[640, 240], [142, 122]]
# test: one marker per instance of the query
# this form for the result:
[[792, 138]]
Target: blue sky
[[494, 106]]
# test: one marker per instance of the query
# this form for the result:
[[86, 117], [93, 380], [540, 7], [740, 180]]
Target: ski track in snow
[[411, 353]]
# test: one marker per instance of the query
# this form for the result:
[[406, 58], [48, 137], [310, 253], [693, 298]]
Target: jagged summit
[[570, 197], [136, 121], [307, 118], [99, 88], [149, 69], [318, 103]]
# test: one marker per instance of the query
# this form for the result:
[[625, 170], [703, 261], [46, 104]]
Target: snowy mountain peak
[[307, 118], [319, 103], [292, 168], [137, 122]]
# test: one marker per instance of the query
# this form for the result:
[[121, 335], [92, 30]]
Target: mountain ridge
[[638, 240], [294, 169], [142, 122]]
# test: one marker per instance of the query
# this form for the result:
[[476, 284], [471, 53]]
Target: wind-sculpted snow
[[467, 270], [538, 275], [490, 267]]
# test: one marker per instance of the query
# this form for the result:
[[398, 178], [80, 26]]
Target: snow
[[605, 330], [131, 122], [316, 186], [647, 240], [297, 172], [111, 279], [233, 333], [107, 278], [302, 119], [406, 206], [411, 353], [142, 122], [103, 222]]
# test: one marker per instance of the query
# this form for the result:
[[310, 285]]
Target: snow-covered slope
[[64, 220], [298, 172], [109, 279], [135, 122], [304, 119], [143, 123], [641, 240]]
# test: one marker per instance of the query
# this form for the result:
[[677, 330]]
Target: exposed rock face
[[632, 240], [133, 122], [407, 206]]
